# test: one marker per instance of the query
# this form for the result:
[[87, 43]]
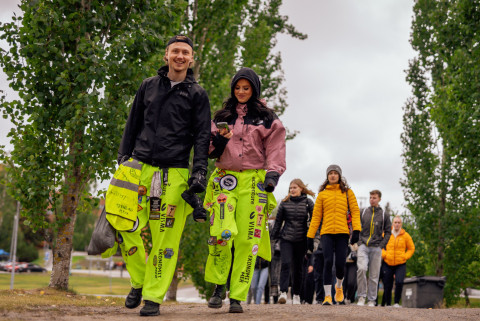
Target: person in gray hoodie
[[375, 233]]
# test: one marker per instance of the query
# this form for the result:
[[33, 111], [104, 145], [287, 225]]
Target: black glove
[[197, 182], [309, 245], [355, 237], [271, 180], [122, 158], [199, 213]]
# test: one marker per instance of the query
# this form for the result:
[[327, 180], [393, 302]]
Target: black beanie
[[251, 76]]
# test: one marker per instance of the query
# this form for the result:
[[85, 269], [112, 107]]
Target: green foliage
[[440, 139]]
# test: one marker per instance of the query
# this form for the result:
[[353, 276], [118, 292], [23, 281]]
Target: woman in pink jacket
[[248, 142]]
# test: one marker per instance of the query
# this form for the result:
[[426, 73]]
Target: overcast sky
[[346, 88]]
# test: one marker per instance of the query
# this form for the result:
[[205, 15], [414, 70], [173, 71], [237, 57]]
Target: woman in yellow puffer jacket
[[335, 198], [400, 248]]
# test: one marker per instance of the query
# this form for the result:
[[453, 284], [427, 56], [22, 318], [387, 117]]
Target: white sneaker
[[361, 301], [396, 305], [371, 303], [296, 299], [283, 298]]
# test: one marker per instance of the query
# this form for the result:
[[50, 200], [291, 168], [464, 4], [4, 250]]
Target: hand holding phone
[[223, 125]]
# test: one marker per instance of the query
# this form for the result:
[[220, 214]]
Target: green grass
[[78, 283], [83, 283]]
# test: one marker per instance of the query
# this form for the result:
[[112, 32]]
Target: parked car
[[34, 268], [19, 267]]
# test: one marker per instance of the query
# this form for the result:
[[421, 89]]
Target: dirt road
[[252, 312]]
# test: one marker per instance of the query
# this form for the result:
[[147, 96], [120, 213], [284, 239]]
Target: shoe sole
[[235, 310], [133, 306], [149, 314], [214, 306]]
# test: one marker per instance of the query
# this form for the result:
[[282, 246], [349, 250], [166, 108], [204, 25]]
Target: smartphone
[[222, 124]]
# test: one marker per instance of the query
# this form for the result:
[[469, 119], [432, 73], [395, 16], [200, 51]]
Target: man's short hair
[[376, 191]]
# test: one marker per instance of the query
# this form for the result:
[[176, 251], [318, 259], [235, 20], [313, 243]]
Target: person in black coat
[[294, 214]]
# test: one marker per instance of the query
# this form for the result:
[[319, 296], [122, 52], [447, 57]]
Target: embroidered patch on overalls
[[228, 182]]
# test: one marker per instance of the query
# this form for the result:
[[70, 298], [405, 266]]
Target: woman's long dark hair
[[256, 109], [343, 185]]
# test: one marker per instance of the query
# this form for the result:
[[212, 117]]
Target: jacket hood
[[163, 72], [251, 76]]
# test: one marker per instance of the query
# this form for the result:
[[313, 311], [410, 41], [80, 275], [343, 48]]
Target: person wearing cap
[[170, 114], [334, 199], [248, 143], [375, 233]]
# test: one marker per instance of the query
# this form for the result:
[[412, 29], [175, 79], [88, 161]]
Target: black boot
[[150, 309], [134, 298], [215, 301], [235, 306]]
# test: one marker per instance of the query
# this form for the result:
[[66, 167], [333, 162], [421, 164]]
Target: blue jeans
[[259, 279]]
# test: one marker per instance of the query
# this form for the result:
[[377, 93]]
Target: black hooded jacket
[[296, 213], [165, 123]]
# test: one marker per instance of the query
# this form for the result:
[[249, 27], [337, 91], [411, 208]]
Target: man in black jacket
[[169, 116]]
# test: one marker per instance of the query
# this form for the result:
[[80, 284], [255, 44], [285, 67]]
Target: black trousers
[[334, 245], [399, 272], [350, 281], [292, 254]]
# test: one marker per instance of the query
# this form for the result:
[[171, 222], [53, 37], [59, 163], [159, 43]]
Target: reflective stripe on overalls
[[238, 207]]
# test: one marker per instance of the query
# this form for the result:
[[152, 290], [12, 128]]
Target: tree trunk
[[172, 290], [467, 299], [62, 251]]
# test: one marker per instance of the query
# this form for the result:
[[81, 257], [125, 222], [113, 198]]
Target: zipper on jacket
[[371, 225]]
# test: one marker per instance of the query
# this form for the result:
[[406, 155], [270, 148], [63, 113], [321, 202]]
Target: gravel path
[[251, 312]]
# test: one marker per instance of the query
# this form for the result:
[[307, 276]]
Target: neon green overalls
[[155, 194], [238, 207]]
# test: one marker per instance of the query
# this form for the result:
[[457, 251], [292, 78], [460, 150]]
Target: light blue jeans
[[259, 279], [369, 258]]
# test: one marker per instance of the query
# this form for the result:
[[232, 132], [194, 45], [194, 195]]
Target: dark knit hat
[[334, 167], [180, 38], [251, 76]]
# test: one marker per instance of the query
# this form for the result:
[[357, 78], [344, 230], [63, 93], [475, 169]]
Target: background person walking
[[376, 230], [291, 225], [330, 210], [399, 249]]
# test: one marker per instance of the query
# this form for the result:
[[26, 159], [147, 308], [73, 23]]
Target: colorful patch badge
[[255, 249], [155, 204], [154, 261], [259, 208], [226, 235], [222, 242], [258, 233], [208, 205], [259, 219], [222, 198], [221, 173], [169, 222], [142, 190], [139, 208], [132, 251], [216, 180], [228, 182], [171, 210], [262, 200], [154, 216], [212, 240], [230, 207], [262, 195], [140, 199], [261, 187], [168, 253]]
